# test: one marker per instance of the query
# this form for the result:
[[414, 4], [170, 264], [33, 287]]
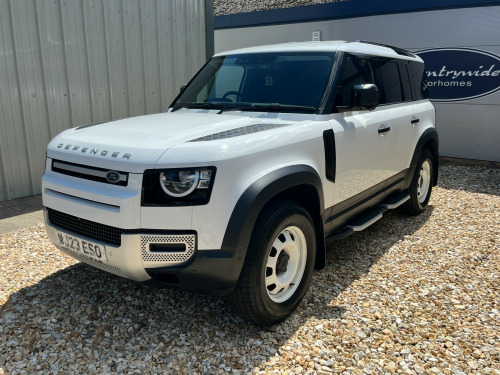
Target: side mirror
[[366, 96]]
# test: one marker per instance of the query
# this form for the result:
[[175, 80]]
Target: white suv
[[263, 156]]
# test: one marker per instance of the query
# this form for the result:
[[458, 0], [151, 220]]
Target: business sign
[[455, 74]]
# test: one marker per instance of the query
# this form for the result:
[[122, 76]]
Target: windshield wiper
[[272, 107], [200, 105], [226, 107]]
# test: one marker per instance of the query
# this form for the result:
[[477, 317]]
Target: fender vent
[[245, 130], [330, 159]]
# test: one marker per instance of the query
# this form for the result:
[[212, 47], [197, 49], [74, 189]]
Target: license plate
[[82, 247]]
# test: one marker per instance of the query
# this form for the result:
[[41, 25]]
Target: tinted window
[[287, 78], [227, 80], [418, 80], [391, 83], [405, 81], [356, 71]]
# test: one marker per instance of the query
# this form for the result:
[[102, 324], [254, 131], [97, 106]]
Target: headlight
[[180, 183], [178, 187]]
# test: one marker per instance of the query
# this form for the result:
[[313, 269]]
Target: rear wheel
[[421, 185], [278, 266]]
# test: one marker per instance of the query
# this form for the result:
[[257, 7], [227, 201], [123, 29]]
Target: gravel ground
[[222, 7], [409, 295]]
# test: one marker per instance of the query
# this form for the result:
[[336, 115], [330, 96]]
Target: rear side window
[[405, 81], [418, 80], [391, 82]]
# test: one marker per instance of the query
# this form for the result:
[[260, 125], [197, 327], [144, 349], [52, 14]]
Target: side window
[[405, 81], [418, 80], [356, 71], [391, 82]]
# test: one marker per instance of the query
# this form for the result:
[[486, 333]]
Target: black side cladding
[[330, 160]]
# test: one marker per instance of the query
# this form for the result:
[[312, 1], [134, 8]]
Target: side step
[[396, 201], [371, 217], [365, 221]]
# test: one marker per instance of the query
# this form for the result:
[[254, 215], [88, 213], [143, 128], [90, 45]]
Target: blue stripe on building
[[340, 10]]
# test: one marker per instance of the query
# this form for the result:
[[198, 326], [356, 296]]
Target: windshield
[[285, 81]]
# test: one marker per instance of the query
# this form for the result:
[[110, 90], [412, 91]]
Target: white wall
[[468, 129], [229, 39]]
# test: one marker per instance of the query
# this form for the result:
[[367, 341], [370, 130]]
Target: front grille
[[112, 235], [90, 173], [96, 231]]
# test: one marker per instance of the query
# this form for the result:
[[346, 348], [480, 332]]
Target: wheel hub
[[424, 182], [282, 264], [285, 264]]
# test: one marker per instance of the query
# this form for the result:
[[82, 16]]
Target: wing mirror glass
[[365, 96]]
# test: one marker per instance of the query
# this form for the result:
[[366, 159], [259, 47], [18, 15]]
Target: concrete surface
[[20, 213]]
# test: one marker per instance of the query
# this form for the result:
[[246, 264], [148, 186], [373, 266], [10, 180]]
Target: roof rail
[[399, 51]]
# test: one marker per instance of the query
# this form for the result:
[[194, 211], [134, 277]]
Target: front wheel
[[278, 266], [421, 185]]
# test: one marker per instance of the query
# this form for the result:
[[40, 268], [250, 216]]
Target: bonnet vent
[[245, 130]]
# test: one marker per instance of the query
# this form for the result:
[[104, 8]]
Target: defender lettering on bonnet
[[94, 151]]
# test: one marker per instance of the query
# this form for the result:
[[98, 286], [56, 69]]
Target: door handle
[[415, 121], [383, 129]]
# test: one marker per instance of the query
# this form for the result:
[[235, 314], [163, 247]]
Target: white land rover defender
[[263, 156]]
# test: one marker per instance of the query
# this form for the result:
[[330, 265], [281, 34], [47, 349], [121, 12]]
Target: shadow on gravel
[[349, 259], [473, 179], [81, 317]]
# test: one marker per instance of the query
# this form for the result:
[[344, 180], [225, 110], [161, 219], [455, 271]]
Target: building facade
[[457, 39]]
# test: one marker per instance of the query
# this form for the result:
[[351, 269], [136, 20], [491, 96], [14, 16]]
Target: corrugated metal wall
[[65, 63]]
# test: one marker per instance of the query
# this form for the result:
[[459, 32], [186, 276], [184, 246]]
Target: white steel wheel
[[278, 266], [421, 185], [285, 264], [424, 182]]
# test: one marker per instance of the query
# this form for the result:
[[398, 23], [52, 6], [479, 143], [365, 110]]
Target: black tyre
[[278, 266], [421, 185]]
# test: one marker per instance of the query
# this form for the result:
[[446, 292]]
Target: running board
[[371, 217], [396, 201], [365, 221]]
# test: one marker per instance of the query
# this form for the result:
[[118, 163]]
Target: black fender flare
[[253, 200], [429, 135]]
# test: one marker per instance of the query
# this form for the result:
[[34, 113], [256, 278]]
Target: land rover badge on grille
[[113, 176]]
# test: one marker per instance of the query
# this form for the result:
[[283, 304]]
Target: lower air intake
[[171, 249]]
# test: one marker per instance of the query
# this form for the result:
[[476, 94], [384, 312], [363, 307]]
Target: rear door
[[396, 102]]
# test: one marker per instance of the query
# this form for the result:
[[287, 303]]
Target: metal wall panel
[[70, 63], [13, 146]]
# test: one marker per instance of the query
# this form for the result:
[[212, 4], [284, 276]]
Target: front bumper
[[157, 258]]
